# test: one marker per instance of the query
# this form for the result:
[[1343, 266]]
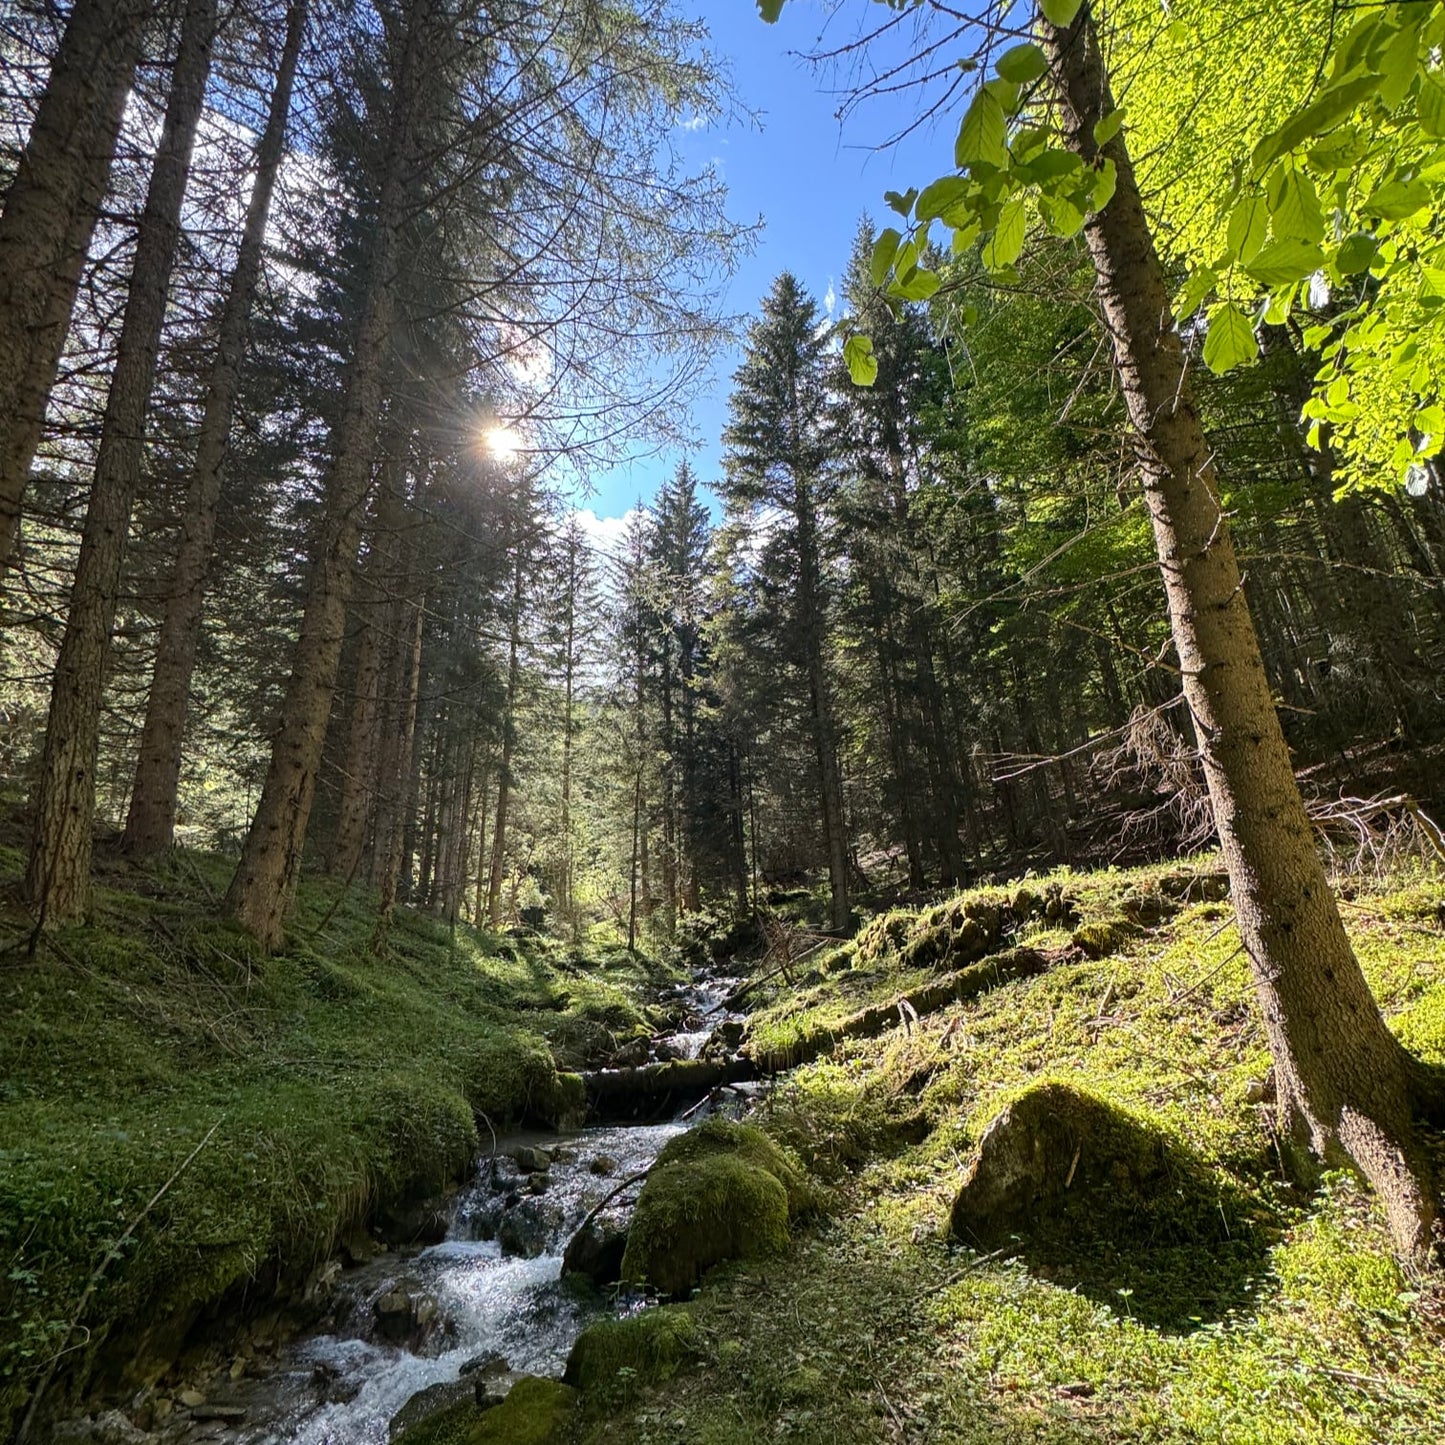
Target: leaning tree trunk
[[49, 219], [58, 879], [264, 886], [1343, 1078], [151, 822]]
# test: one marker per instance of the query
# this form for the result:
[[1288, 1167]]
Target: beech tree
[[1346, 1085]]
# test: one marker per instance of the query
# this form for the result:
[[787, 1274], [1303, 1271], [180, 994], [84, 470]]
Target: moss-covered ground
[[180, 1113], [1286, 1321]]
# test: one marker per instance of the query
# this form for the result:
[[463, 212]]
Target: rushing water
[[344, 1387], [490, 1292]]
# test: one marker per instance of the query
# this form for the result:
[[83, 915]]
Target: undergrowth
[[243, 1112], [1287, 1323]]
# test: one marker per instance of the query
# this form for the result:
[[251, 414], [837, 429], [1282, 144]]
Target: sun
[[503, 442]]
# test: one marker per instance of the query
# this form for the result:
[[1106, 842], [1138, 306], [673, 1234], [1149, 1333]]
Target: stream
[[487, 1303]]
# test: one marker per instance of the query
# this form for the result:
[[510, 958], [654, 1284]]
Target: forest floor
[[1284, 1321], [229, 1118], [183, 1119]]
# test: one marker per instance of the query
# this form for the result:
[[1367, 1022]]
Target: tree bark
[[58, 879], [820, 699], [359, 772], [150, 825], [390, 843], [48, 222], [1343, 1078], [509, 743], [264, 886]]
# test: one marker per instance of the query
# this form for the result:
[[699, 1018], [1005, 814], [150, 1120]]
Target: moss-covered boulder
[[721, 1191], [1053, 1149], [1104, 937], [535, 1412], [646, 1349]]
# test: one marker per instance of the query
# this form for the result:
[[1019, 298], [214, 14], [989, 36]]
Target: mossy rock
[[722, 1191], [535, 1412], [884, 935], [1057, 1149], [1103, 938], [643, 1350]]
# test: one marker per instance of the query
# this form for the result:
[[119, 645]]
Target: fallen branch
[[967, 983], [610, 1196]]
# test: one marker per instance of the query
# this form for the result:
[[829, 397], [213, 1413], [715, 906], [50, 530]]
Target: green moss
[[612, 1357], [721, 1191], [1102, 938], [1303, 1328], [325, 1082], [692, 1216], [535, 1412]]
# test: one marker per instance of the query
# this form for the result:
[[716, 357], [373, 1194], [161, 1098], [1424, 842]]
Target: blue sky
[[809, 180]]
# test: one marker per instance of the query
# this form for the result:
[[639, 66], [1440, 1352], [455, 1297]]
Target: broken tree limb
[[928, 998], [628, 1093]]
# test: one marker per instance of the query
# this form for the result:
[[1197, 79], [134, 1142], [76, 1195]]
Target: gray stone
[[595, 1252], [426, 1403]]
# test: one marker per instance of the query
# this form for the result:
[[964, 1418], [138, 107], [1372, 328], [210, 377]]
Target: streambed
[[486, 1303]]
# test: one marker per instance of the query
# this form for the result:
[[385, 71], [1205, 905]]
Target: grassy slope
[[334, 1081], [1300, 1330]]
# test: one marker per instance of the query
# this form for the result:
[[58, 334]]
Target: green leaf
[[770, 9], [1008, 95], [1294, 206], [1104, 185], [1283, 262], [885, 248], [1061, 216], [1196, 288], [1003, 247], [1060, 12], [1230, 341], [1355, 254], [1398, 66], [862, 364], [982, 136], [1430, 103], [936, 198], [1106, 129], [1022, 65], [1248, 226], [1397, 200], [1432, 285], [901, 202], [916, 285], [1049, 167], [1334, 106]]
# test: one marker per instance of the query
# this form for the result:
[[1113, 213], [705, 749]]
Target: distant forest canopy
[[291, 569]]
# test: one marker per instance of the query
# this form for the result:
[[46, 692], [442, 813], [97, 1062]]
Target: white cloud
[[605, 533], [694, 123], [830, 298]]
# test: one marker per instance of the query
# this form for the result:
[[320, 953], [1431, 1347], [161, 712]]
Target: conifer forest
[[722, 722]]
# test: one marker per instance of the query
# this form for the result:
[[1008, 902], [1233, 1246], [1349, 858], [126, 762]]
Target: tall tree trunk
[[264, 886], [820, 699], [1343, 1078], [358, 778], [48, 222], [150, 825], [58, 879], [509, 743], [390, 844]]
